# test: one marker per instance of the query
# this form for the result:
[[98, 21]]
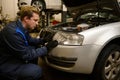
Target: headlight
[[68, 38]]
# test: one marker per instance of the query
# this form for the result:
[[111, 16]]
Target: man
[[18, 49]]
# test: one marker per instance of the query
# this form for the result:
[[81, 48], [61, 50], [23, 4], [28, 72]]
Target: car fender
[[100, 36]]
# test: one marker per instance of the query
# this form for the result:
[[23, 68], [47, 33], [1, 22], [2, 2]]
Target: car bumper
[[76, 59]]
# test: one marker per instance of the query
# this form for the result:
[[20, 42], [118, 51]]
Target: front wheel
[[107, 66]]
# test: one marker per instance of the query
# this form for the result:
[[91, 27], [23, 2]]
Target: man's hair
[[27, 11]]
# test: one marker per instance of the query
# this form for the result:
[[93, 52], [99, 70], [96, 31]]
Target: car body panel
[[85, 58], [53, 4], [105, 32]]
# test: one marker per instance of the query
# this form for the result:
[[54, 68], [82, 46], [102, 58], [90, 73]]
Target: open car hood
[[75, 3], [75, 6]]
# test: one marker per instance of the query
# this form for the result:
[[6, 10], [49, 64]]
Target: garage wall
[[9, 8], [0, 2], [0, 9]]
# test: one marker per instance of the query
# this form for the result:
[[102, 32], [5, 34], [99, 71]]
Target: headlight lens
[[68, 38]]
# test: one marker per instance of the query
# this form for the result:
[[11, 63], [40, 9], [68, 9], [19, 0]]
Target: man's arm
[[16, 44], [35, 41]]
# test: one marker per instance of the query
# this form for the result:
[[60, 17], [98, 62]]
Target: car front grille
[[62, 61]]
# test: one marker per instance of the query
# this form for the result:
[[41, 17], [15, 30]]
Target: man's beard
[[29, 29]]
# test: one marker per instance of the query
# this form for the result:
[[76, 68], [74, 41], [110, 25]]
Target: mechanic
[[18, 50]]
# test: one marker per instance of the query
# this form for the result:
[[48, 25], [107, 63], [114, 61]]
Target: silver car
[[92, 45]]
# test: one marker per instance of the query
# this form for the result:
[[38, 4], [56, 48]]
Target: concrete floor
[[53, 74]]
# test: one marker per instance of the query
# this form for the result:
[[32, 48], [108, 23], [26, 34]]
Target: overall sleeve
[[17, 46], [34, 41]]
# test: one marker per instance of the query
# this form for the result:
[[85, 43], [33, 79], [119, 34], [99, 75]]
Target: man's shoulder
[[10, 28], [12, 24]]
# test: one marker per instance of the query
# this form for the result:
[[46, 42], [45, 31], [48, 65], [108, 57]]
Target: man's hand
[[47, 36], [52, 44]]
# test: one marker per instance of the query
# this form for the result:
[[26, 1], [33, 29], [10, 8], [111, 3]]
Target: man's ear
[[26, 18]]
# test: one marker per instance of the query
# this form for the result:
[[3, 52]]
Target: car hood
[[75, 3], [75, 6]]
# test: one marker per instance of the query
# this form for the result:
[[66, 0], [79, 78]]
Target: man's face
[[32, 22]]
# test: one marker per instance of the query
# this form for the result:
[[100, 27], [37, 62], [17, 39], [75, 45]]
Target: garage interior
[[55, 13]]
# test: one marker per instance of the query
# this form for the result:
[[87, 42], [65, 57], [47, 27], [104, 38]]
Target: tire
[[107, 66], [40, 4]]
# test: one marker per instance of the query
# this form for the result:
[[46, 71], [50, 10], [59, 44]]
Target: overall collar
[[20, 26]]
